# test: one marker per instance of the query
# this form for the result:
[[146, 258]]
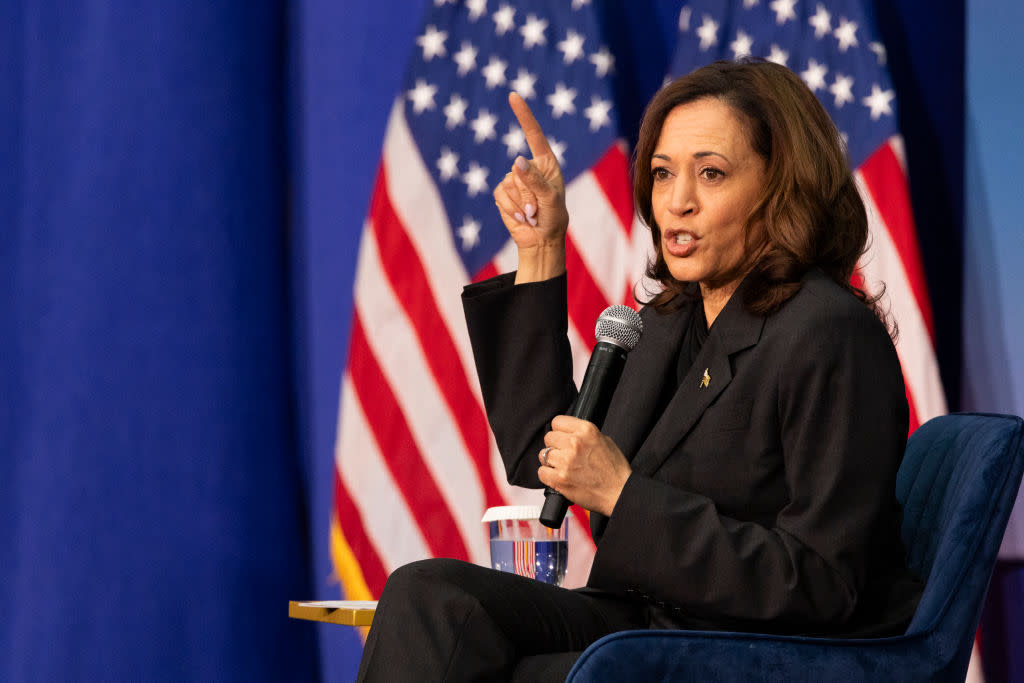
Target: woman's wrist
[[612, 498], [540, 263]]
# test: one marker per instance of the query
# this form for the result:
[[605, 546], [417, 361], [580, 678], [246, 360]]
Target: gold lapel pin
[[705, 380]]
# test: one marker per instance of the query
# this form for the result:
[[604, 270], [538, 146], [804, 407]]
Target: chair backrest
[[957, 484]]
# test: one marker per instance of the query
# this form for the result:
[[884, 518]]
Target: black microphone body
[[618, 330], [599, 383]]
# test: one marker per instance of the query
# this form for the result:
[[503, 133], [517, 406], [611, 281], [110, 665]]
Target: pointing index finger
[[535, 138]]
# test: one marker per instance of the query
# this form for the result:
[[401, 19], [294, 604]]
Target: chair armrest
[[654, 655]]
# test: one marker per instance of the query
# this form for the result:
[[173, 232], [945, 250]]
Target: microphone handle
[[591, 404]]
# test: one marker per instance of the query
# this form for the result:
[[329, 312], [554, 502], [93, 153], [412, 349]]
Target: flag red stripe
[[409, 280], [351, 525], [583, 517], [612, 174], [400, 451], [887, 184], [857, 279], [915, 422], [486, 273], [586, 302]]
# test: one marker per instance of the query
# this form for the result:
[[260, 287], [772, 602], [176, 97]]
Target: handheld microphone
[[618, 330]]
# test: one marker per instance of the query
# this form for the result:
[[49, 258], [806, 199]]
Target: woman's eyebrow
[[700, 155], [696, 155]]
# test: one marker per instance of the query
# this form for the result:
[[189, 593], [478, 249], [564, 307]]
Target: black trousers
[[448, 620]]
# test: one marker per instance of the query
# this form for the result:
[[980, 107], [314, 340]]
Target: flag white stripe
[[580, 353], [900, 151], [507, 259], [389, 523]]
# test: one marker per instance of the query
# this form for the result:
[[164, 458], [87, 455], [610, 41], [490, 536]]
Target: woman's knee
[[423, 575]]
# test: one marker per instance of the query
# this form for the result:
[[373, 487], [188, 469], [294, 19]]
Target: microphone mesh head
[[620, 325]]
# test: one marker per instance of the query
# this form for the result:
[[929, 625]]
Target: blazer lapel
[[633, 407], [735, 329], [632, 410]]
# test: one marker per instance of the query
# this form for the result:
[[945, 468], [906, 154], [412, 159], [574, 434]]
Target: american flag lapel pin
[[705, 380]]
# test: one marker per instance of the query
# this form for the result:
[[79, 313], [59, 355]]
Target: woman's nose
[[683, 199]]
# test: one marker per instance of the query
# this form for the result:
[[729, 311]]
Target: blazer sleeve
[[524, 364], [842, 414]]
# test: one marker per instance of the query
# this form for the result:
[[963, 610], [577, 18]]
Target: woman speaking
[[745, 473]]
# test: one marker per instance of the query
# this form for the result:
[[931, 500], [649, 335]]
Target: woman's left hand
[[583, 464]]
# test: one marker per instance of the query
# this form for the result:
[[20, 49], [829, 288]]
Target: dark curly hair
[[809, 213]]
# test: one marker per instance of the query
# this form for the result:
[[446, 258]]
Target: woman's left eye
[[709, 173]]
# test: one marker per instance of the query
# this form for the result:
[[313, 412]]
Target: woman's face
[[706, 178]]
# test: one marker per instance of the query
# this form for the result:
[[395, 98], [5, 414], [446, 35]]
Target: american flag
[[833, 46], [416, 464]]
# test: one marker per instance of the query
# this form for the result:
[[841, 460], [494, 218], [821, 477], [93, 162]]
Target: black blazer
[[761, 499]]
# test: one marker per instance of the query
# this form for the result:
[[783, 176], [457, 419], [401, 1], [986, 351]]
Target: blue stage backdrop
[[182, 192], [153, 521]]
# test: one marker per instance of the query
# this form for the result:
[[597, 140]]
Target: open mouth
[[680, 243]]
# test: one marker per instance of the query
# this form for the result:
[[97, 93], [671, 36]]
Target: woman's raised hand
[[531, 200]]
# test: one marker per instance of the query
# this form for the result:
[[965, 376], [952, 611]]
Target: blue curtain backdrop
[[181, 194], [153, 517]]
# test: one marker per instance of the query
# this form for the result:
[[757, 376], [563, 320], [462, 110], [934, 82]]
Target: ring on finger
[[544, 456]]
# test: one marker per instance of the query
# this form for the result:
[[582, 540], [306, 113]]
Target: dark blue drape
[[152, 516]]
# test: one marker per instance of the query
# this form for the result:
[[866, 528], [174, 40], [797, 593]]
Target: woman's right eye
[[659, 173]]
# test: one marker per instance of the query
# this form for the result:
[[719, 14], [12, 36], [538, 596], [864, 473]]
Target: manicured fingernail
[[522, 164], [519, 217], [531, 210], [532, 221]]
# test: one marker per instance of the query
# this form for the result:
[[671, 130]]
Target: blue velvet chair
[[957, 484]]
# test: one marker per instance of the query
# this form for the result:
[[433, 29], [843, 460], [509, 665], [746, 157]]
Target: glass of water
[[520, 544]]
